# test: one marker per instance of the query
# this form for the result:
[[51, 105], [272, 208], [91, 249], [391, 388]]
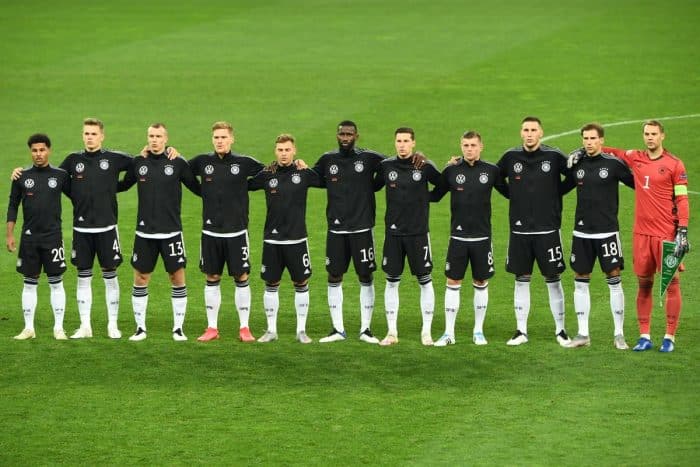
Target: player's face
[[592, 143], [653, 137], [40, 154], [471, 149], [531, 134], [285, 152], [93, 137], [346, 136], [157, 139], [404, 144], [222, 140]]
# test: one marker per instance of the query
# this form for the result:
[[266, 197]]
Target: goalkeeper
[[661, 213]]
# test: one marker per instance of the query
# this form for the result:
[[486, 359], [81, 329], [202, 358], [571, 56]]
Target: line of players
[[533, 176]]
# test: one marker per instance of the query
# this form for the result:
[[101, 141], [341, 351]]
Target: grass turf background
[[271, 67]]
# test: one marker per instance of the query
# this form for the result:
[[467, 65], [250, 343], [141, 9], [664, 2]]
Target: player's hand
[[172, 153], [454, 160], [574, 157], [682, 245], [300, 164], [16, 173], [272, 167], [10, 243], [418, 160]]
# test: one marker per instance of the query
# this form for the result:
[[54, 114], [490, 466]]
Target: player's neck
[[655, 154]]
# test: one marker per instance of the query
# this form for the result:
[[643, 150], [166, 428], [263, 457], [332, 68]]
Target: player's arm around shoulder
[[432, 172]]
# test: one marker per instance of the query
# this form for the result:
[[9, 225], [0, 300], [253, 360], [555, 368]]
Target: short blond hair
[[94, 122], [284, 137], [222, 125]]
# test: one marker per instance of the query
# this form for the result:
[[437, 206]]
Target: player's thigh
[[549, 254], [363, 254], [108, 249], [419, 254], [238, 255], [173, 252], [145, 254], [211, 254], [29, 258], [583, 255], [338, 253], [83, 250], [53, 256], [457, 259], [393, 255], [521, 254], [481, 259], [298, 261], [272, 263], [646, 254], [609, 252]]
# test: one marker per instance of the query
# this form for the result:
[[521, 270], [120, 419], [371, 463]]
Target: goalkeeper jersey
[[661, 191]]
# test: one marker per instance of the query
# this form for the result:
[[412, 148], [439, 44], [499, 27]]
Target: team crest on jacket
[[143, 170], [333, 169], [296, 179], [53, 183], [580, 174], [484, 178], [29, 183], [209, 169], [235, 169], [359, 166], [393, 175], [546, 166], [272, 183], [603, 172], [168, 170], [80, 167], [517, 167], [417, 175], [104, 164], [460, 179]]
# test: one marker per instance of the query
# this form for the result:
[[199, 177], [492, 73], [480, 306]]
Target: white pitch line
[[625, 122]]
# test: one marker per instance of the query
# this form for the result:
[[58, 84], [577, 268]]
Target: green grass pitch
[[269, 67]]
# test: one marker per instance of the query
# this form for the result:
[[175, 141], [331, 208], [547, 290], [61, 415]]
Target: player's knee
[[366, 279], [454, 282], [552, 279], [645, 282], [243, 277], [480, 284], [213, 277], [241, 282], [141, 279], [301, 284], [523, 278], [335, 279], [425, 279], [272, 286]]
